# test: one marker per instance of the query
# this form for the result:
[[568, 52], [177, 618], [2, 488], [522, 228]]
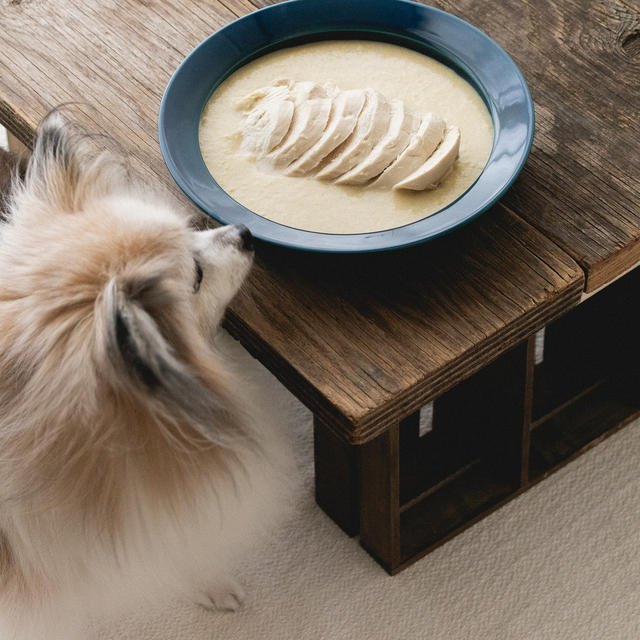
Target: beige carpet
[[559, 563]]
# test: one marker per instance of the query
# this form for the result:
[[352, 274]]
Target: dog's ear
[[141, 354], [135, 340], [65, 169]]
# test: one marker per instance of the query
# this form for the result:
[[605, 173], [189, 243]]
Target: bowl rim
[[363, 242]]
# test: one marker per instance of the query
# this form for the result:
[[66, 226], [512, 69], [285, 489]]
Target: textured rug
[[560, 562]]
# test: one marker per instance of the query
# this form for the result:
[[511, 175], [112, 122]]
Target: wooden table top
[[581, 183], [363, 341], [354, 351]]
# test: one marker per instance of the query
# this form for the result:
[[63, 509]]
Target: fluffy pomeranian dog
[[130, 462]]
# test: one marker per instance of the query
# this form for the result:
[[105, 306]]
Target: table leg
[[380, 497], [336, 471], [359, 486]]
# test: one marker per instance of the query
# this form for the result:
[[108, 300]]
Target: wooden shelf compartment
[[470, 461], [588, 384]]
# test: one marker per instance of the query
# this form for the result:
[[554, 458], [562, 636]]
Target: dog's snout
[[245, 237]]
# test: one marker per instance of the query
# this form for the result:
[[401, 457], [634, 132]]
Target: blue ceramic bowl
[[468, 51]]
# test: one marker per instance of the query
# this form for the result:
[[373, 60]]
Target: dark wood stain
[[364, 341]]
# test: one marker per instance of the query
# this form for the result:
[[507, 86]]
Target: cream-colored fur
[[131, 463]]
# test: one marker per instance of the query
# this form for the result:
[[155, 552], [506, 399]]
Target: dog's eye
[[199, 276]]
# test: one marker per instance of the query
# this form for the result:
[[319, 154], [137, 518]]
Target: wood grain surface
[[363, 341], [581, 60], [582, 63]]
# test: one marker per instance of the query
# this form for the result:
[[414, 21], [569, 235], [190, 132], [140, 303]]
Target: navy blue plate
[[459, 45]]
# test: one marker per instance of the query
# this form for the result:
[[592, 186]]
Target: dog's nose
[[246, 238]]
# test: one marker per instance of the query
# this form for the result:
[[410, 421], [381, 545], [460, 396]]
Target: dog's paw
[[227, 595]]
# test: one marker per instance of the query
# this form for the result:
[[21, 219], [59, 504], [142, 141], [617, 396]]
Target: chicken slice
[[403, 124], [372, 124], [429, 175], [270, 111], [347, 105], [279, 87], [310, 116], [422, 145]]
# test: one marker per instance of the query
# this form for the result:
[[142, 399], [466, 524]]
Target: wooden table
[[367, 341]]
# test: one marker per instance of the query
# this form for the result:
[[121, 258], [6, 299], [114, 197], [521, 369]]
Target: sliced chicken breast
[[345, 110], [431, 173], [354, 137], [372, 124], [423, 143], [403, 123], [269, 118], [310, 117]]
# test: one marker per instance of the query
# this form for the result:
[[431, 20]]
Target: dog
[[131, 464]]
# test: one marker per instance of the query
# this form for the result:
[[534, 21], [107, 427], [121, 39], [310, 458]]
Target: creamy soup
[[424, 85]]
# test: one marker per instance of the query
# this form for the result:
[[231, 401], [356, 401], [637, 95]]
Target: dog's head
[[104, 289]]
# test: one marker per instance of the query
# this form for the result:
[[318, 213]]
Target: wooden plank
[[362, 340], [582, 63], [366, 341], [380, 497], [525, 451], [114, 58]]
